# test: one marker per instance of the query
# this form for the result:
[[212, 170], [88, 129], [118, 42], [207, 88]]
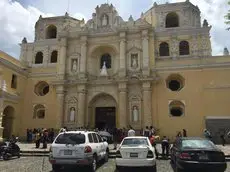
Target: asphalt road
[[41, 164]]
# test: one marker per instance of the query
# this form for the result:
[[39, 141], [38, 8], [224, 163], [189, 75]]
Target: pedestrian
[[115, 138], [131, 132], [165, 147], [146, 132], [153, 143], [184, 133], [222, 137], [37, 139], [207, 134], [179, 134]]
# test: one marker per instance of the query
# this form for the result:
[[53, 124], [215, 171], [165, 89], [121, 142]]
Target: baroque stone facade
[[108, 72]]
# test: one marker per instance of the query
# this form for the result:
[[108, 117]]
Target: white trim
[[217, 117]]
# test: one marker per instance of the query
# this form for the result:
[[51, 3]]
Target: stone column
[[62, 58], [83, 59], [60, 106], [81, 106], [147, 104], [122, 107], [145, 47], [122, 64]]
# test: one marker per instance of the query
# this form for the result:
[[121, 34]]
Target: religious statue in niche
[[104, 20], [134, 61], [74, 65], [72, 114], [104, 70], [135, 113]]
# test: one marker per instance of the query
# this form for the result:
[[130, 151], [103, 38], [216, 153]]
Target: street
[[41, 164]]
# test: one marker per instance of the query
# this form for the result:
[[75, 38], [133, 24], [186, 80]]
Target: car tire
[[106, 159], [154, 168], [118, 168], [178, 169], [93, 166], [5, 157], [56, 168]]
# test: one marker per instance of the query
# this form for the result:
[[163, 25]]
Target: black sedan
[[197, 154]]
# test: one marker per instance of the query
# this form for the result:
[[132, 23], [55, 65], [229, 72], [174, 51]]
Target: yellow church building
[[106, 72]]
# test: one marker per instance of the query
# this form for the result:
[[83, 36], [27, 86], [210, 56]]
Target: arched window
[[107, 59], [53, 58], [39, 58], [164, 49], [184, 48], [51, 32], [172, 20], [39, 112]]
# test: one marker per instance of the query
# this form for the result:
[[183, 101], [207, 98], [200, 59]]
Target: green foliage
[[227, 17]]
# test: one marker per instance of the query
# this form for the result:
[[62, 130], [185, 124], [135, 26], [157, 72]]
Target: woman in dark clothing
[[115, 137]]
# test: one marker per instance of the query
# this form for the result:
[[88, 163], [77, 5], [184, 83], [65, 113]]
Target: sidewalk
[[30, 148]]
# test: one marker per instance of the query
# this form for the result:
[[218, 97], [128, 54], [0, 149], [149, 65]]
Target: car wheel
[[56, 168], [5, 157], [178, 169], [93, 166], [106, 159], [118, 168], [19, 155]]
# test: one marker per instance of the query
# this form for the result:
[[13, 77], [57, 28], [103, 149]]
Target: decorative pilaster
[[122, 111], [81, 106], [83, 57], [147, 104], [60, 107], [122, 64], [1, 117], [145, 47], [62, 58]]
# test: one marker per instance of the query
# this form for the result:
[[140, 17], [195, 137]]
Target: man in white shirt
[[131, 132]]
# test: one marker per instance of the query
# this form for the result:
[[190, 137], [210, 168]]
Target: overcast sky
[[18, 17]]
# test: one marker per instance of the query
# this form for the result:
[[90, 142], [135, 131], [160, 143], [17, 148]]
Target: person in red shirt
[[153, 142]]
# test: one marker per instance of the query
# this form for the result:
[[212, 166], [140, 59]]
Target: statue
[[74, 67], [104, 70], [134, 61], [131, 18], [226, 52], [72, 114], [104, 20], [135, 114], [205, 23], [24, 40]]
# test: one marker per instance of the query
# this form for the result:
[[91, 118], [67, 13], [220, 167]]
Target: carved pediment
[[71, 99], [75, 55], [134, 49]]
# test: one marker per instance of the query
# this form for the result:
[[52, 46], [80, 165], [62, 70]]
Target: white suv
[[81, 148]]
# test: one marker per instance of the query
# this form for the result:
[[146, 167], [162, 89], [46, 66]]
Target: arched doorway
[[102, 112], [7, 122]]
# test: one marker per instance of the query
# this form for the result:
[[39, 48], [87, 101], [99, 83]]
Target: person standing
[[184, 133], [146, 132], [153, 143], [131, 132], [165, 147], [115, 138], [207, 134]]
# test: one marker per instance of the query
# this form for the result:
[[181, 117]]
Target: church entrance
[[102, 112], [105, 118], [7, 122]]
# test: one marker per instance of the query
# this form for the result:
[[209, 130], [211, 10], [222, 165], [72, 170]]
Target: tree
[[227, 17]]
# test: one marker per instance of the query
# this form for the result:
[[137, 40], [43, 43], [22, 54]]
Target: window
[[172, 20], [54, 56], [184, 48], [176, 108], [39, 58], [99, 138], [39, 111], [106, 58], [70, 138], [175, 82], [95, 138], [134, 142], [14, 81], [90, 138], [164, 49], [51, 32], [41, 89]]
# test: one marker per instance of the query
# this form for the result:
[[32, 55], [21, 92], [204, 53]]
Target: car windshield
[[135, 142], [70, 138], [197, 144]]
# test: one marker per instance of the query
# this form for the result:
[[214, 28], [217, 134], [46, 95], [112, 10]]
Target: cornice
[[18, 69], [9, 96]]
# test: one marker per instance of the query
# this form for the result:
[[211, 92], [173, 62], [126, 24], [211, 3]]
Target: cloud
[[18, 17]]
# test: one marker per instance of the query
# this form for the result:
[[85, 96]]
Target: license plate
[[203, 157], [134, 155], [67, 152]]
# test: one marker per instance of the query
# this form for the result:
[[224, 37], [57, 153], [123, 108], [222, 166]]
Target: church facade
[[156, 71]]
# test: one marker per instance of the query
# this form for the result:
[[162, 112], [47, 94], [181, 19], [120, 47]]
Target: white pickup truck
[[79, 148]]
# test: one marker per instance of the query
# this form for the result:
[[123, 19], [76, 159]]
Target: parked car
[[9, 149], [80, 148], [197, 153], [136, 152]]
